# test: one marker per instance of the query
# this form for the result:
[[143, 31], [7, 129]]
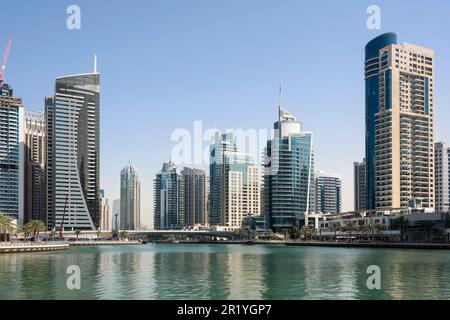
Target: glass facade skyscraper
[[288, 173], [195, 196], [328, 193], [234, 183], [168, 202], [11, 154], [130, 199], [73, 152]]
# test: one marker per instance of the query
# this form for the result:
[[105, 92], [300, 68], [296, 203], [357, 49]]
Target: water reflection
[[225, 272]]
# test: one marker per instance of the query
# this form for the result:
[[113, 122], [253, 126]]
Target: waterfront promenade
[[13, 247]]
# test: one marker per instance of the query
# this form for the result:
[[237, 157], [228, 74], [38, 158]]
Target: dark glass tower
[[372, 68], [73, 170]]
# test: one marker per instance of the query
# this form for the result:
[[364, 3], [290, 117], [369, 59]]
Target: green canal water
[[225, 272]]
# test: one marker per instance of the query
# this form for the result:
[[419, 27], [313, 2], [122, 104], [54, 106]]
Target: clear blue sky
[[165, 64]]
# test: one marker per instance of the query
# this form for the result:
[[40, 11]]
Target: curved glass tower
[[372, 69], [74, 152]]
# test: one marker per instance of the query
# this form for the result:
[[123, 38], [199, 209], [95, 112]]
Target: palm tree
[[351, 226], [6, 225], [307, 231], [373, 228], [294, 233], [35, 227], [77, 233], [26, 231], [269, 234], [123, 235], [402, 224], [98, 233], [115, 234], [335, 227], [428, 227]]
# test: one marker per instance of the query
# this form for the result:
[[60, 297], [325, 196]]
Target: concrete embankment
[[383, 245], [102, 243], [32, 247], [234, 242]]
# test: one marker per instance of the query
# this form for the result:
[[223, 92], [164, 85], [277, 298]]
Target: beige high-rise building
[[404, 126]]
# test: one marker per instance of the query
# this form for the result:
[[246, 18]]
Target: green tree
[[373, 228], [77, 233], [6, 225], [400, 224], [335, 227], [270, 234], [428, 228], [307, 232], [115, 234], [35, 227], [294, 233], [124, 235], [351, 226]]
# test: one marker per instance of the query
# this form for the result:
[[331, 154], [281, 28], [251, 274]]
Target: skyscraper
[[73, 152], [288, 173], [359, 183], [116, 214], [399, 124], [168, 202], [442, 187], [35, 181], [105, 212], [130, 199], [234, 183], [328, 192], [11, 154], [195, 196]]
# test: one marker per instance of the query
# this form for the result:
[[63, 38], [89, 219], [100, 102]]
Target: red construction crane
[[5, 58]]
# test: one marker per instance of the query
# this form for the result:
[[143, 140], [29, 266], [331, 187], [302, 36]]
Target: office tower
[[329, 192], [73, 152], [288, 173], [34, 154], [168, 202], [195, 196], [11, 154], [116, 214], [442, 187], [105, 212], [399, 124], [234, 183], [359, 183], [130, 199]]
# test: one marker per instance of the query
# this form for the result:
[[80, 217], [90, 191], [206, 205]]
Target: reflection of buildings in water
[[245, 276], [329, 275], [130, 275], [181, 275]]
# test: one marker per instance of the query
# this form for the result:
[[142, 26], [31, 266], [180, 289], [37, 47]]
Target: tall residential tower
[[130, 199], [399, 124], [73, 152]]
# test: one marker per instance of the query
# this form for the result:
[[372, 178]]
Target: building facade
[[442, 187], [359, 185], [130, 199], [168, 201], [11, 154], [328, 193], [235, 183], [399, 124], [35, 179], [105, 212], [195, 196], [116, 214], [73, 153], [288, 191]]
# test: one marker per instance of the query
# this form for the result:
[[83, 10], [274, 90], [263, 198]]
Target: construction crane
[[5, 59]]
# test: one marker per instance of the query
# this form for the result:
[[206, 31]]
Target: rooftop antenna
[[95, 63], [5, 59], [280, 107]]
